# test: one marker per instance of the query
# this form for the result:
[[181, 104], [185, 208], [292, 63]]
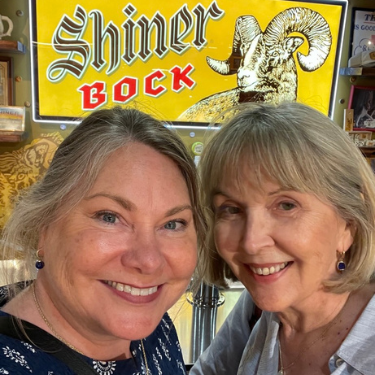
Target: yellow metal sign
[[186, 61]]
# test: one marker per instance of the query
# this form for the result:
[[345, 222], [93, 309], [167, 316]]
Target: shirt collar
[[357, 349]]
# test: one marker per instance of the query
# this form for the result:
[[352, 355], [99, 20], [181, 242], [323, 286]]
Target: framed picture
[[362, 101], [6, 81], [361, 138], [12, 119], [362, 34]]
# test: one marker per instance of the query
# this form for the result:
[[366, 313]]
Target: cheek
[[83, 251], [227, 238], [182, 258], [191, 259]]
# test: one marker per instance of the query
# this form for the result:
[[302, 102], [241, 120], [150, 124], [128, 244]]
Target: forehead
[[245, 179], [257, 168], [139, 169]]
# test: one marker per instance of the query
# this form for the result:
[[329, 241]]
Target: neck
[[84, 340], [312, 315]]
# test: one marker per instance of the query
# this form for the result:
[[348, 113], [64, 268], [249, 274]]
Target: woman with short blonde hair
[[291, 205]]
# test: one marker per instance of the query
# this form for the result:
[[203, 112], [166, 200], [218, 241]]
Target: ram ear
[[292, 43]]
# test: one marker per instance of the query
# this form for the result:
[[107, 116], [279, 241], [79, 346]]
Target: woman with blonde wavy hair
[[113, 229]]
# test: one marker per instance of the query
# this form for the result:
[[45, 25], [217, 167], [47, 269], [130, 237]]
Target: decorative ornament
[[39, 264], [4, 32], [341, 265]]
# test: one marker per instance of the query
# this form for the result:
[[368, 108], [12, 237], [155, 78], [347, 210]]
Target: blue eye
[[174, 224], [170, 225], [107, 217]]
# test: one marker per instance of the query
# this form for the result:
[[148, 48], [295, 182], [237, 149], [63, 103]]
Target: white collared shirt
[[235, 351]]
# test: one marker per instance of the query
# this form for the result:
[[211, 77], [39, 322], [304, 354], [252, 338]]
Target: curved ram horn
[[246, 29], [310, 24]]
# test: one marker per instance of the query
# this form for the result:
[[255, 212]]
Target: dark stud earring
[[39, 264], [341, 265]]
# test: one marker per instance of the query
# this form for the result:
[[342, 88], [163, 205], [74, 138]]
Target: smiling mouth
[[131, 289], [265, 271]]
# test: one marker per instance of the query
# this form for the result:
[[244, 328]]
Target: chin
[[267, 301], [136, 331], [134, 326]]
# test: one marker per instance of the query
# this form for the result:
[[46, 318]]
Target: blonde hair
[[303, 150], [74, 169]]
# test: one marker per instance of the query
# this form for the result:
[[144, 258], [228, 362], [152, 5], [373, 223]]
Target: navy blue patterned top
[[162, 348]]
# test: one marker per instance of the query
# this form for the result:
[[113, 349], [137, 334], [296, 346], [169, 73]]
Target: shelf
[[367, 151], [12, 136], [12, 46], [357, 71]]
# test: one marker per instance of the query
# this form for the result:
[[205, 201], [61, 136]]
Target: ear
[[42, 239], [347, 238]]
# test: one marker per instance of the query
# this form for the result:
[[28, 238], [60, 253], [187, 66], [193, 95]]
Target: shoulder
[[358, 347], [223, 356], [19, 357], [3, 295]]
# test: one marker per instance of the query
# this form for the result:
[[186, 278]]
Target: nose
[[257, 233], [144, 255], [242, 73]]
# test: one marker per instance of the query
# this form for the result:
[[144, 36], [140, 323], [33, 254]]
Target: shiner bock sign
[[185, 60]]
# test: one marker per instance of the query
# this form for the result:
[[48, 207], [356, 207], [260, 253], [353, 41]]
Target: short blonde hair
[[303, 150]]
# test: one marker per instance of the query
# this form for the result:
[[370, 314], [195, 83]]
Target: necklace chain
[[322, 336], [49, 325], [144, 356]]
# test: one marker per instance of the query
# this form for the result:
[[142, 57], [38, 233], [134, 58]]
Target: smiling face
[[281, 244], [125, 254]]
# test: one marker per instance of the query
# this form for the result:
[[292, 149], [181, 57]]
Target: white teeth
[[120, 287], [132, 290], [269, 271], [135, 292], [144, 292]]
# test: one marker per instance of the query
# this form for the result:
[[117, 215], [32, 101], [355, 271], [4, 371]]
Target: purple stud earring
[[39, 264], [341, 265]]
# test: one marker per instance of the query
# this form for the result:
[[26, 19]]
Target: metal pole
[[205, 303]]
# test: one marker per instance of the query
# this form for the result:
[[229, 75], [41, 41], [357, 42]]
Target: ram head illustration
[[264, 62]]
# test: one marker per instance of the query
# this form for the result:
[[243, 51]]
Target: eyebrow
[[127, 205], [176, 210], [217, 191], [277, 191]]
